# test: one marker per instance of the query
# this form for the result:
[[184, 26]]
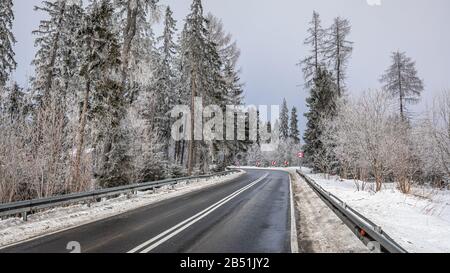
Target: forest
[[97, 112]]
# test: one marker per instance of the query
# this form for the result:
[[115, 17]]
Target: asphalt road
[[250, 214]]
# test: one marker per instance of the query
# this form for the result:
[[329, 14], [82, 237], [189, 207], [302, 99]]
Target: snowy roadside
[[420, 222], [15, 230], [319, 228]]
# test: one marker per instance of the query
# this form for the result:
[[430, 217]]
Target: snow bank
[[420, 222], [15, 230]]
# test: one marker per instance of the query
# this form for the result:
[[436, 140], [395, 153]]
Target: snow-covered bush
[[432, 139], [34, 161], [369, 141]]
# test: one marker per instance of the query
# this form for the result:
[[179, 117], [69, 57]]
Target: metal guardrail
[[26, 207], [368, 232]]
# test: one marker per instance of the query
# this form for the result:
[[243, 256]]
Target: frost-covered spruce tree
[[7, 41], [294, 132], [216, 93], [337, 51], [401, 80], [284, 121], [322, 105], [229, 55], [231, 86], [165, 83], [201, 69], [315, 40], [57, 47], [132, 22], [234, 96], [14, 102], [71, 51], [183, 94], [103, 103], [135, 19], [54, 39]]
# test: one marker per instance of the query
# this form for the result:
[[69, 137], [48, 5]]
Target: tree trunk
[[400, 89], [378, 177], [55, 47], [338, 64], [81, 134], [316, 46], [183, 150], [191, 149], [129, 33]]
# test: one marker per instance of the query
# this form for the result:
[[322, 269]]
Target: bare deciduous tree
[[432, 139]]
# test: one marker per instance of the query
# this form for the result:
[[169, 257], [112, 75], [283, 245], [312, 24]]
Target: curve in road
[[250, 214]]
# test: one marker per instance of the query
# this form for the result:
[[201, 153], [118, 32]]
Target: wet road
[[250, 214]]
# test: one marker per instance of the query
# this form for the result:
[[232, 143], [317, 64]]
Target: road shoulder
[[319, 230]]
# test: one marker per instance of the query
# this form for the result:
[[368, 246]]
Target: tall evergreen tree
[[229, 55], [14, 104], [56, 66], [136, 39], [338, 50], [102, 102], [54, 40], [230, 86], [284, 121], [322, 104], [315, 40], [7, 41], [71, 51], [402, 81], [294, 132], [201, 69], [165, 83]]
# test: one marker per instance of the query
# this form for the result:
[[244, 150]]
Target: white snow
[[15, 230], [420, 222]]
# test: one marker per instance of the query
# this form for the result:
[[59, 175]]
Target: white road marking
[[294, 238], [166, 235]]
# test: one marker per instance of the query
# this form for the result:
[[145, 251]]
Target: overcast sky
[[270, 34]]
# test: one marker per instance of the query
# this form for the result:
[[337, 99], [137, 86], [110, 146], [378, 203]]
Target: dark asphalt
[[255, 221]]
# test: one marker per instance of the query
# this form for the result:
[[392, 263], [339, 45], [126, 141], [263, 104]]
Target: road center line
[[166, 235]]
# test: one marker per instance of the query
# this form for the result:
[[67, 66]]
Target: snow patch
[[420, 222]]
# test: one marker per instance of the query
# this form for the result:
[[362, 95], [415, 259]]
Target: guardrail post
[[378, 229], [25, 216]]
